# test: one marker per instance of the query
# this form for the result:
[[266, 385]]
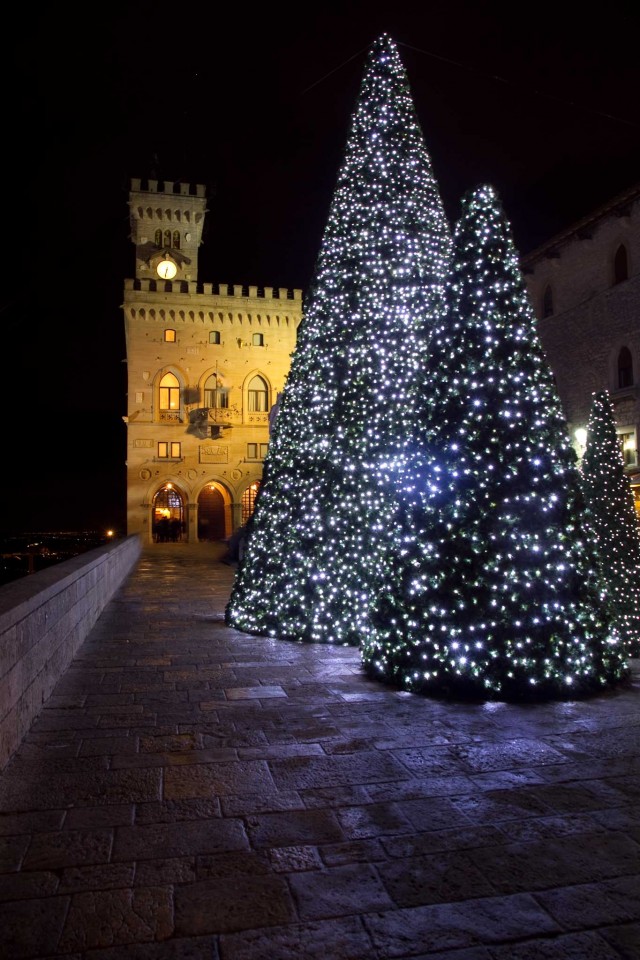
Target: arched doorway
[[211, 511], [168, 515]]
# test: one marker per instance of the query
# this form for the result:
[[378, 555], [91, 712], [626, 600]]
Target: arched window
[[158, 238], [547, 302], [258, 395], [167, 238], [169, 393], [215, 395], [176, 239], [620, 265], [249, 500], [625, 368]]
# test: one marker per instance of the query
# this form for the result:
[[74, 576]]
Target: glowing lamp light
[[581, 436]]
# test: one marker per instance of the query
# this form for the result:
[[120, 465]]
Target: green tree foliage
[[612, 519], [320, 529], [495, 589]]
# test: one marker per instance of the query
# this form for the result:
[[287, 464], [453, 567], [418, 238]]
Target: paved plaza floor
[[190, 792]]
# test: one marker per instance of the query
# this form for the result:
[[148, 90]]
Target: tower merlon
[[232, 292], [139, 185]]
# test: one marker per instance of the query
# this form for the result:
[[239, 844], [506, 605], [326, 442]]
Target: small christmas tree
[[321, 524], [494, 593], [611, 517]]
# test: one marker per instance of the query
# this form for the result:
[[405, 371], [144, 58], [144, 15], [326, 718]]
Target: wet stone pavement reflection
[[190, 791]]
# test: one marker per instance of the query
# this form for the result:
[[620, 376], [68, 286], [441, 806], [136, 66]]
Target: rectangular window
[[217, 398], [170, 336], [257, 401], [257, 451], [214, 336], [628, 445], [169, 398], [169, 451]]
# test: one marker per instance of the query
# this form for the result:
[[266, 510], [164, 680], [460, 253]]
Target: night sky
[[542, 102]]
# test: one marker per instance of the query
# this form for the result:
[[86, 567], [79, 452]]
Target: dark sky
[[540, 101]]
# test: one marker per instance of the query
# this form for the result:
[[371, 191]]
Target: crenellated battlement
[[225, 290], [178, 188]]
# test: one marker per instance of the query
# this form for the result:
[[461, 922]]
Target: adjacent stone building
[[206, 363], [584, 285]]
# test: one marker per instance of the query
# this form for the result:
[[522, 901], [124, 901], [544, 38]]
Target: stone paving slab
[[190, 792]]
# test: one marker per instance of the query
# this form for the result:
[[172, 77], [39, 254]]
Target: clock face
[[166, 269]]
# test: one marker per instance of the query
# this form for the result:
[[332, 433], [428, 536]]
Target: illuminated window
[[257, 451], [547, 302], [169, 451], [169, 392], [170, 336], [215, 395], [214, 336], [625, 368], [627, 441], [249, 500], [258, 340], [258, 395], [620, 265]]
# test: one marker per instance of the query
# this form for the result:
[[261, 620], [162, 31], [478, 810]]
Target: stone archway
[[167, 515], [211, 513]]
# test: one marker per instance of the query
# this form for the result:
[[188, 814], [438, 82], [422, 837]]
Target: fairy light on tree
[[611, 518], [320, 528], [495, 589]]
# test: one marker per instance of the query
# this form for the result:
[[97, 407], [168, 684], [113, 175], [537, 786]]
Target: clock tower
[[166, 228]]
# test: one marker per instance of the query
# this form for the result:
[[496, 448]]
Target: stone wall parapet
[[44, 619], [229, 291]]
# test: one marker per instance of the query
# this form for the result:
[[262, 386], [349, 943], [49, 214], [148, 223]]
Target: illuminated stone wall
[[593, 313]]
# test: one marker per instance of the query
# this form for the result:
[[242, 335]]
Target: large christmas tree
[[494, 593], [321, 526], [611, 517]]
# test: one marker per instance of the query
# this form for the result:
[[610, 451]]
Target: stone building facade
[[584, 286], [205, 364]]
